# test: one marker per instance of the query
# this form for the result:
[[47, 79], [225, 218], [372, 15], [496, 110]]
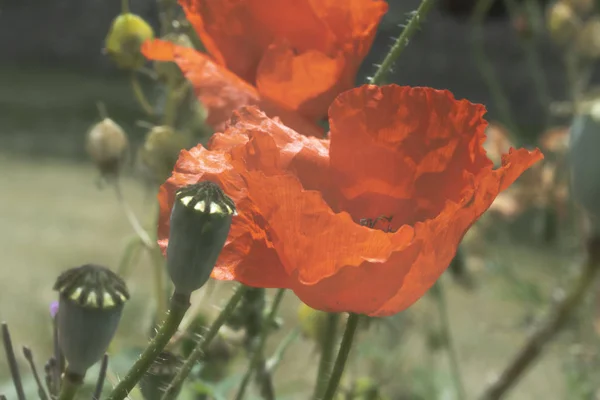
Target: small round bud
[[585, 163], [158, 155], [91, 300], [588, 40], [159, 376], [127, 33], [107, 146], [200, 223], [562, 23]]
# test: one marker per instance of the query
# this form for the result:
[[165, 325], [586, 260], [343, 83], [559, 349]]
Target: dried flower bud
[[588, 40], [107, 145], [200, 222], [90, 305], [585, 163], [562, 22], [127, 33], [159, 376], [160, 151]]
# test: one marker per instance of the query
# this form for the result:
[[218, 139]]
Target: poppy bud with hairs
[[90, 306], [200, 222]]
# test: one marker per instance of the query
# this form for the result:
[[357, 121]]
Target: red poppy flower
[[285, 55], [414, 155]]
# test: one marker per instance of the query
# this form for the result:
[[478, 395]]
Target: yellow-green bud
[[160, 151], [125, 37]]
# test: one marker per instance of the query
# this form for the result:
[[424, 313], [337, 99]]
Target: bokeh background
[[53, 214]]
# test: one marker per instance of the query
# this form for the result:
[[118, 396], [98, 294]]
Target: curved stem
[[556, 320], [179, 305], [327, 347], [258, 355], [140, 96], [342, 357], [132, 218], [411, 28], [440, 297], [203, 343]]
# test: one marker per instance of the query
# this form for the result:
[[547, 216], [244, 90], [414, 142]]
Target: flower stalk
[[328, 341], [258, 355], [12, 362], [342, 357], [409, 30], [440, 297], [179, 305], [202, 344], [548, 329]]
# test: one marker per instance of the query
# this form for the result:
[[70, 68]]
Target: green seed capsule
[[200, 222], [90, 305]]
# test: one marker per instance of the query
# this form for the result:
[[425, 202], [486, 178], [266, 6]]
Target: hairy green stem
[[258, 355], [440, 297], [204, 342], [327, 347], [409, 30], [179, 305], [547, 330], [342, 357]]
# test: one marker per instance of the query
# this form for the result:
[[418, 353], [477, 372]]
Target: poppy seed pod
[[585, 163], [127, 33], [107, 146], [200, 222], [90, 305]]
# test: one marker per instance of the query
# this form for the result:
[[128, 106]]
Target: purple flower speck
[[53, 308]]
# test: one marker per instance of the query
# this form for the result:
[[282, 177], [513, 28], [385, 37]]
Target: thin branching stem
[[27, 353], [203, 343], [12, 362], [179, 305], [440, 298], [101, 378], [258, 355], [548, 329]]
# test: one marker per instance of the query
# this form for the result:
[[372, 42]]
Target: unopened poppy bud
[[562, 22], [200, 222], [107, 146], [159, 153], [585, 163], [159, 376], [588, 40], [127, 33], [91, 300]]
